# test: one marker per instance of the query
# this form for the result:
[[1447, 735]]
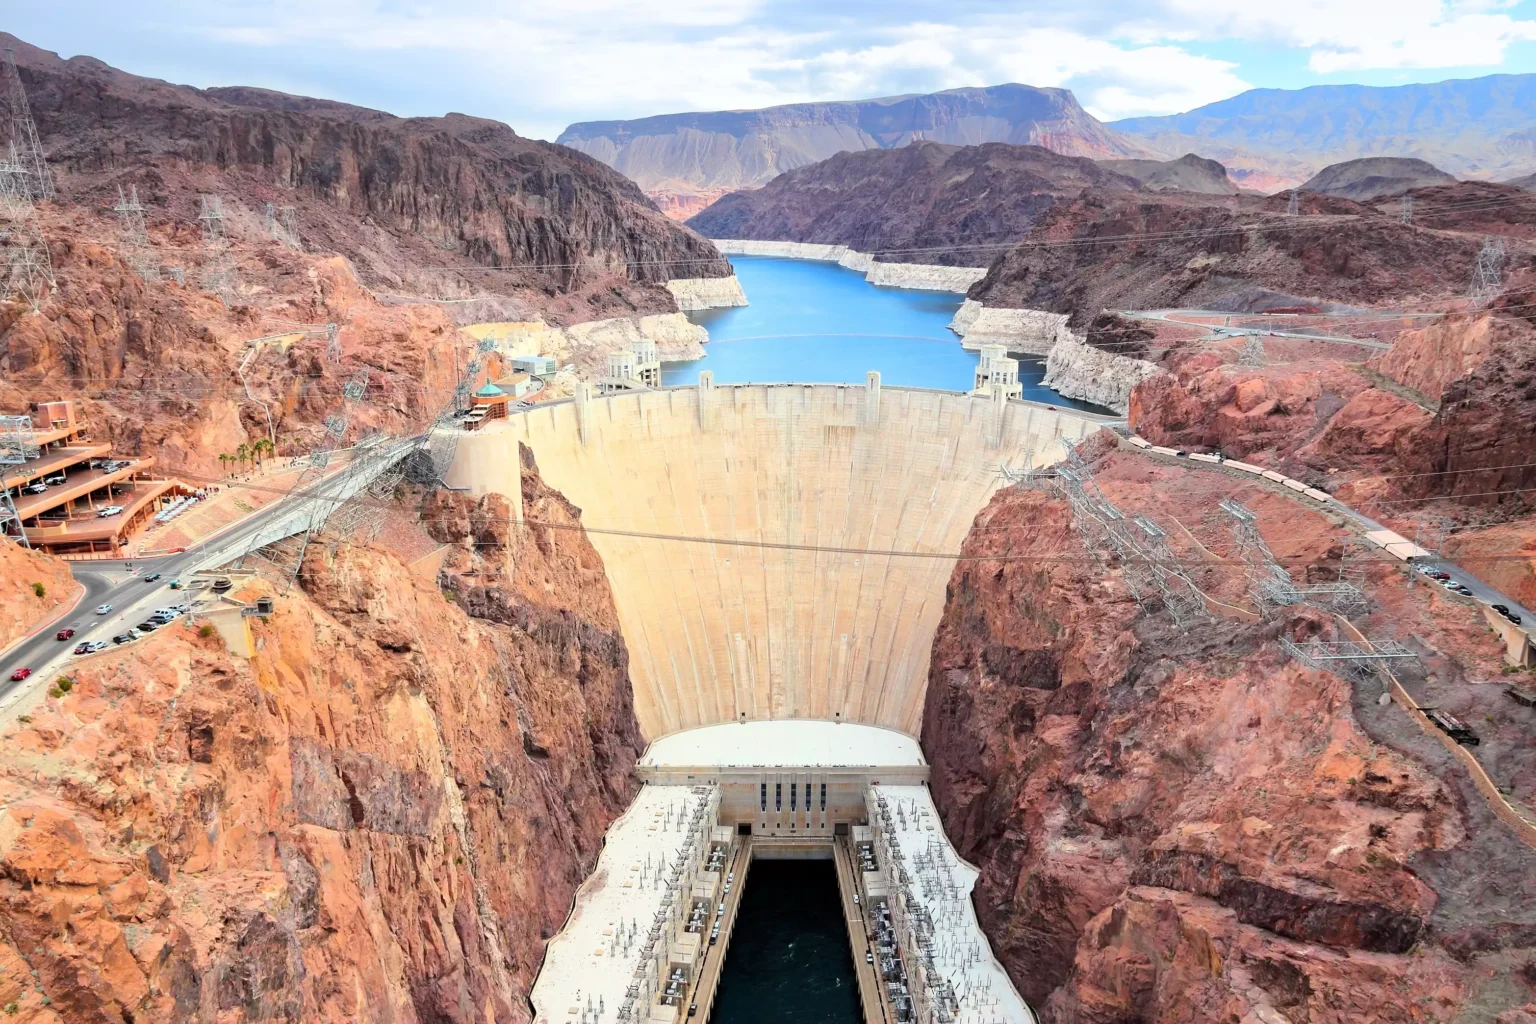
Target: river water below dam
[[789, 958], [817, 322]]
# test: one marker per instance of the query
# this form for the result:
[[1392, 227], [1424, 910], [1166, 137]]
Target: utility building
[[998, 372]]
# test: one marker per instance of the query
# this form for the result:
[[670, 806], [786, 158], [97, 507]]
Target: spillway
[[776, 551]]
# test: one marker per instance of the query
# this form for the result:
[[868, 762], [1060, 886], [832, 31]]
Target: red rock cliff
[[1191, 827], [381, 816]]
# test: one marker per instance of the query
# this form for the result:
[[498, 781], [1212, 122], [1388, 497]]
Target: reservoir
[[816, 322], [789, 957]]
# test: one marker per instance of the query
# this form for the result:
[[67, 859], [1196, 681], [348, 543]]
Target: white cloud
[[542, 65]]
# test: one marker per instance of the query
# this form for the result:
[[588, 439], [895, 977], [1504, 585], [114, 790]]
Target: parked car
[[109, 511], [91, 647], [124, 638], [1512, 617], [1502, 609], [869, 957], [152, 577], [174, 584], [20, 674], [1462, 589], [57, 480], [64, 634], [103, 609], [34, 488], [147, 627]]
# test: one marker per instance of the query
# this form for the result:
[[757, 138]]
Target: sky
[[541, 66]]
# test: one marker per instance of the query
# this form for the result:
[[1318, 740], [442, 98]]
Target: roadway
[[120, 583], [1481, 591], [1222, 331], [713, 956], [877, 1008]]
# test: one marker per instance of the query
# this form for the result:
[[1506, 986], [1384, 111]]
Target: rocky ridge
[[1375, 177], [1176, 826], [417, 204], [380, 816], [695, 153], [922, 203]]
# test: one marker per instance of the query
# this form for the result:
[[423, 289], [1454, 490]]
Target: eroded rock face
[[1184, 826], [379, 817]]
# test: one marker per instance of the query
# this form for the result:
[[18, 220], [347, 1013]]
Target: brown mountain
[[1189, 173], [419, 204], [734, 149], [1375, 177], [925, 197], [1109, 250]]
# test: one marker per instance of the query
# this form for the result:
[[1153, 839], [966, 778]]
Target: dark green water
[[789, 958]]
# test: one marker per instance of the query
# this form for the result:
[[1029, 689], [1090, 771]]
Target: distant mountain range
[[1268, 139], [715, 152], [1473, 128]]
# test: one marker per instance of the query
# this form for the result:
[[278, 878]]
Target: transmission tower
[[1293, 205], [281, 223], [1405, 215], [26, 269], [1352, 659], [436, 456], [218, 272], [15, 188], [17, 445], [135, 235], [1148, 565], [1271, 586], [324, 496], [1487, 277], [1252, 353], [24, 134]]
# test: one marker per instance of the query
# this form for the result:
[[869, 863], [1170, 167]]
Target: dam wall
[[916, 276], [775, 551]]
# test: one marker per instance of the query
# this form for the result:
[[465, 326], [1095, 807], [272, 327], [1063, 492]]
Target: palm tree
[[224, 463], [262, 447], [243, 453]]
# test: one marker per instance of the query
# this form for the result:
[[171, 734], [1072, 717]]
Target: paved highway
[[121, 583], [1221, 331]]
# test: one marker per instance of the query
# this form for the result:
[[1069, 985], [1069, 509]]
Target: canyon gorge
[[425, 757]]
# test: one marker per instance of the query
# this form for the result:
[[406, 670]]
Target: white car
[[110, 510], [103, 609]]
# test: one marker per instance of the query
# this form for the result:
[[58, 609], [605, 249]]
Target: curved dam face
[[775, 551]]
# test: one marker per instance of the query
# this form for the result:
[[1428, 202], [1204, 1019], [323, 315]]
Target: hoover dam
[[778, 555], [776, 551]]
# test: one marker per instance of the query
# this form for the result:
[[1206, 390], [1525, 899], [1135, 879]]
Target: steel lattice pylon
[[26, 268], [1252, 353], [15, 187], [1271, 586], [1488, 274], [1356, 659], [23, 133], [135, 235], [1148, 565], [218, 270]]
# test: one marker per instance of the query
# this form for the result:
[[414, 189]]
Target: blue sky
[[540, 66]]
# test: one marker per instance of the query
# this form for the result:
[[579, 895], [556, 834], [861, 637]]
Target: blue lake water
[[820, 323]]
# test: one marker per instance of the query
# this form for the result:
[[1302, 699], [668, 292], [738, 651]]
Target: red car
[[20, 674], [64, 634]]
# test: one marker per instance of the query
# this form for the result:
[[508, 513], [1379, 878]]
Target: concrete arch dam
[[787, 610]]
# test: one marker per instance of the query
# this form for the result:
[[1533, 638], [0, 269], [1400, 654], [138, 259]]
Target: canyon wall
[[917, 276], [1077, 370], [22, 608], [588, 344], [1192, 827], [379, 817], [692, 293]]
